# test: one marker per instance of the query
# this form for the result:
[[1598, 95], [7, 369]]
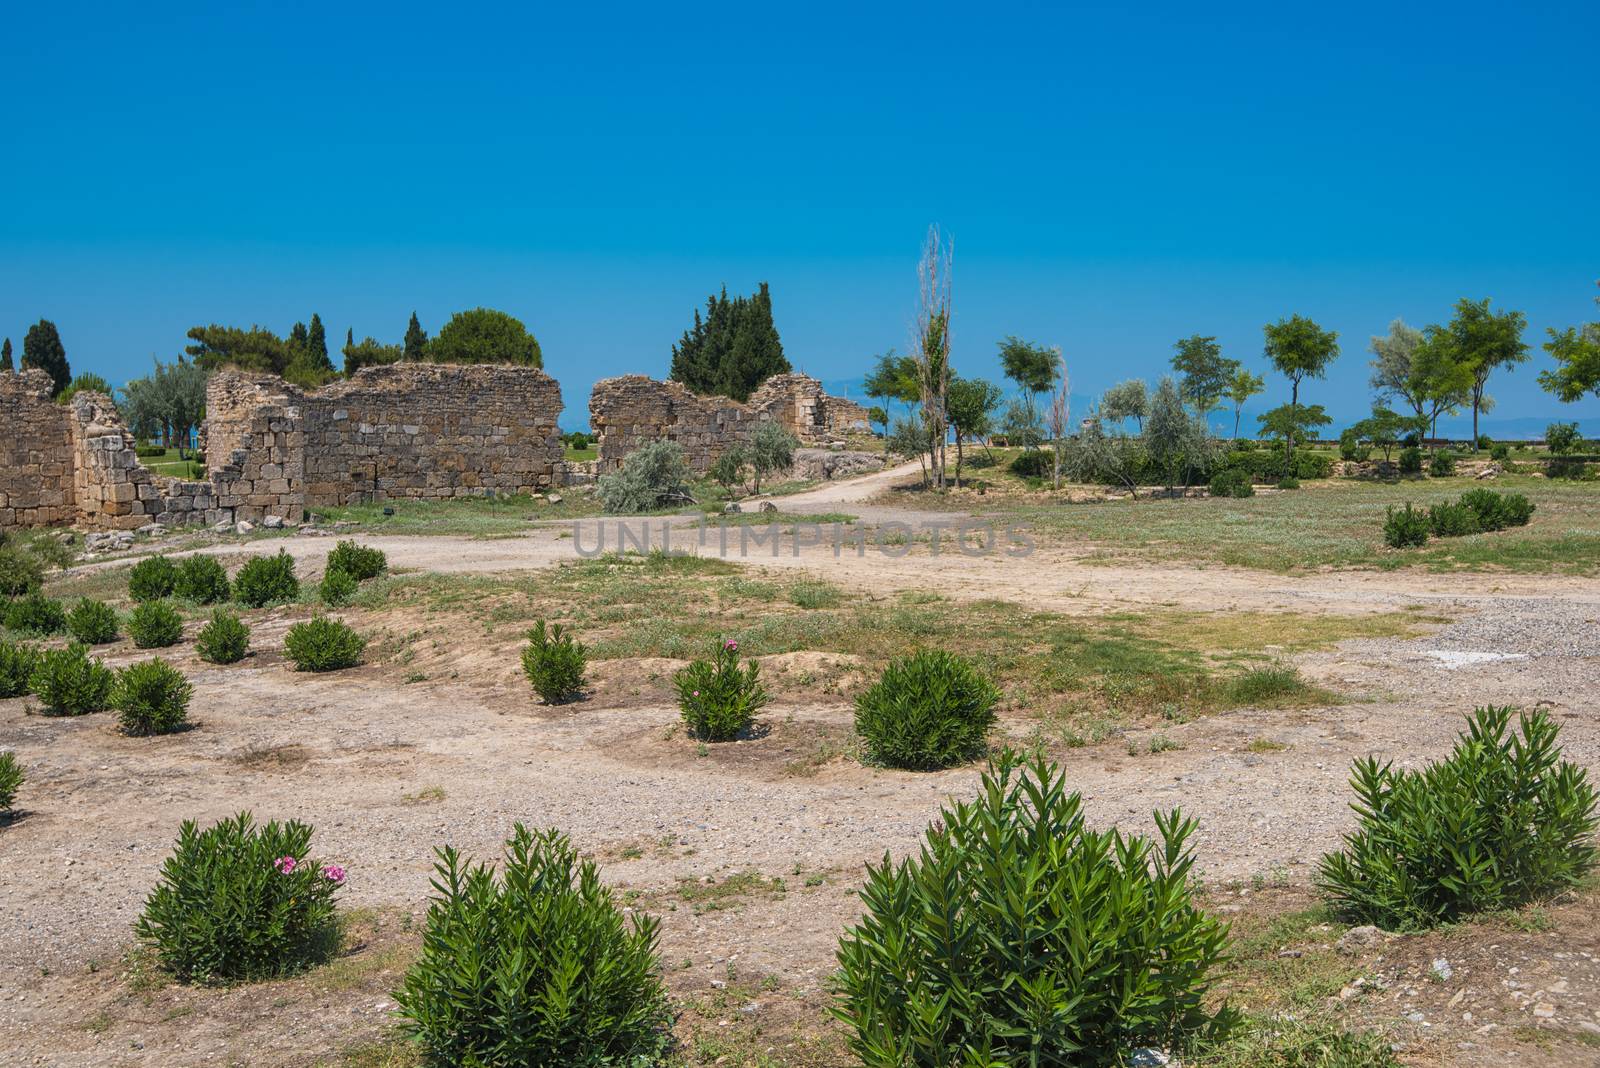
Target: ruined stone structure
[[629, 411], [406, 430]]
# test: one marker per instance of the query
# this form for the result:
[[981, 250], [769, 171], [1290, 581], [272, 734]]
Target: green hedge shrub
[[1452, 520], [1500, 451], [265, 580], [1502, 822], [1352, 448], [930, 710], [223, 640], [538, 966], [20, 573], [92, 622], [1405, 528], [241, 901], [11, 778], [151, 697], [337, 587], [1443, 464], [1563, 438], [155, 625], [201, 579], [1566, 467], [16, 668], [1034, 463], [358, 561], [1411, 460], [1116, 954], [1232, 482], [323, 644], [717, 697], [152, 579], [554, 663], [1268, 465], [68, 683], [1288, 482], [36, 614]]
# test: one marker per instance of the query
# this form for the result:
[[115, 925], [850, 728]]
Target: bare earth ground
[[749, 853]]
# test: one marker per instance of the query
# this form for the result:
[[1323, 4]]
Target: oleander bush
[[1410, 461], [224, 639], [241, 901], [20, 573], [358, 561], [11, 779], [265, 580], [152, 579], [68, 683], [16, 668], [1034, 463], [1502, 822], [930, 710], [1500, 451], [36, 614], [1443, 464], [1232, 482], [151, 697], [1288, 482], [554, 663], [1405, 528], [536, 967], [323, 644], [1452, 520], [92, 622], [718, 697], [201, 579], [155, 625], [337, 587], [1116, 954]]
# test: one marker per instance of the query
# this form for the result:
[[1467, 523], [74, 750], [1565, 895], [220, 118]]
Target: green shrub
[[1270, 684], [1500, 451], [155, 625], [1497, 511], [36, 614], [145, 452], [653, 476], [930, 710], [92, 622], [537, 967], [201, 579], [1116, 955], [238, 901], [717, 697], [1232, 482], [68, 683], [265, 580], [16, 668], [1405, 528], [357, 561], [323, 644], [1411, 460], [20, 573], [1034, 463], [11, 778], [152, 579], [1562, 438], [554, 663], [1566, 467], [1485, 442], [1452, 520], [1288, 482], [1352, 448], [337, 587], [1502, 822], [224, 640], [152, 697], [1443, 464]]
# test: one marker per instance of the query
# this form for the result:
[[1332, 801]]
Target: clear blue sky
[[1113, 180]]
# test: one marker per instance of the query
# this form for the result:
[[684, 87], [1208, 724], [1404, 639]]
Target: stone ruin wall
[[35, 453], [629, 411]]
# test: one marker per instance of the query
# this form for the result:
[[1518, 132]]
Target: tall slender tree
[[1241, 387], [42, 348], [5, 357], [931, 340], [416, 342], [1393, 366], [1299, 349], [972, 404], [317, 344], [1482, 341], [1206, 373], [1033, 368]]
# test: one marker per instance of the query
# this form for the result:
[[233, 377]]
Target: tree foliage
[[732, 349], [1206, 373], [1033, 368], [1299, 349], [483, 335], [1576, 351], [416, 341], [1178, 444], [1241, 387], [1480, 341], [5, 356], [370, 352], [252, 349], [42, 349], [166, 404], [1126, 400]]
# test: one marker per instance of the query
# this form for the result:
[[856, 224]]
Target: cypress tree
[[42, 348], [416, 340], [5, 357], [317, 344], [733, 349]]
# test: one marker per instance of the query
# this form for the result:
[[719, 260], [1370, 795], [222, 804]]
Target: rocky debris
[[833, 462], [1150, 1057], [243, 526], [108, 541], [768, 506], [272, 522], [731, 508], [1359, 939], [1492, 469]]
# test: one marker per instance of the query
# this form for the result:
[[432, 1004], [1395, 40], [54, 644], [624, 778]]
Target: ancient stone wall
[[35, 453], [113, 490], [629, 411]]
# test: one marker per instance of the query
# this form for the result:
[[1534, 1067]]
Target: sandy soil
[[386, 770]]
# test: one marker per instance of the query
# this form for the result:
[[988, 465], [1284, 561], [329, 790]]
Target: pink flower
[[697, 693], [285, 865], [731, 645], [333, 873]]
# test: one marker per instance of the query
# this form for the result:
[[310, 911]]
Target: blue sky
[[1113, 180]]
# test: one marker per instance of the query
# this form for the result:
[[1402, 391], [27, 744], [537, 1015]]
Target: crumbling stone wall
[[35, 453], [629, 411], [113, 490]]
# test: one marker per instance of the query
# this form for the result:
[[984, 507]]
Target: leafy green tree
[[1126, 400], [1383, 429], [1393, 366], [1299, 349], [166, 404], [733, 349], [1482, 341], [895, 378], [317, 344], [253, 349], [1033, 368], [484, 335], [1440, 378], [1291, 423], [877, 414], [972, 403], [1206, 374], [416, 342], [5, 357], [771, 450], [1576, 351], [1179, 445], [369, 353], [42, 348], [1241, 387]]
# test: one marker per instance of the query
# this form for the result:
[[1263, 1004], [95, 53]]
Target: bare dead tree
[[931, 344], [1059, 418]]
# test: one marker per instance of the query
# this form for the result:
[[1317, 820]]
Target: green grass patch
[[482, 516]]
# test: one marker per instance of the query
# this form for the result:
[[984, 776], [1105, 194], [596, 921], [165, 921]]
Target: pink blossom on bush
[[285, 864], [732, 646], [333, 873]]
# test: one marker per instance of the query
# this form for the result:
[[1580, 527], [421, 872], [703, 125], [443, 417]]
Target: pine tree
[[42, 348], [317, 344], [733, 349], [5, 357], [416, 340]]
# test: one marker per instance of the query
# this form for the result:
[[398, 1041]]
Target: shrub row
[[1474, 512]]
